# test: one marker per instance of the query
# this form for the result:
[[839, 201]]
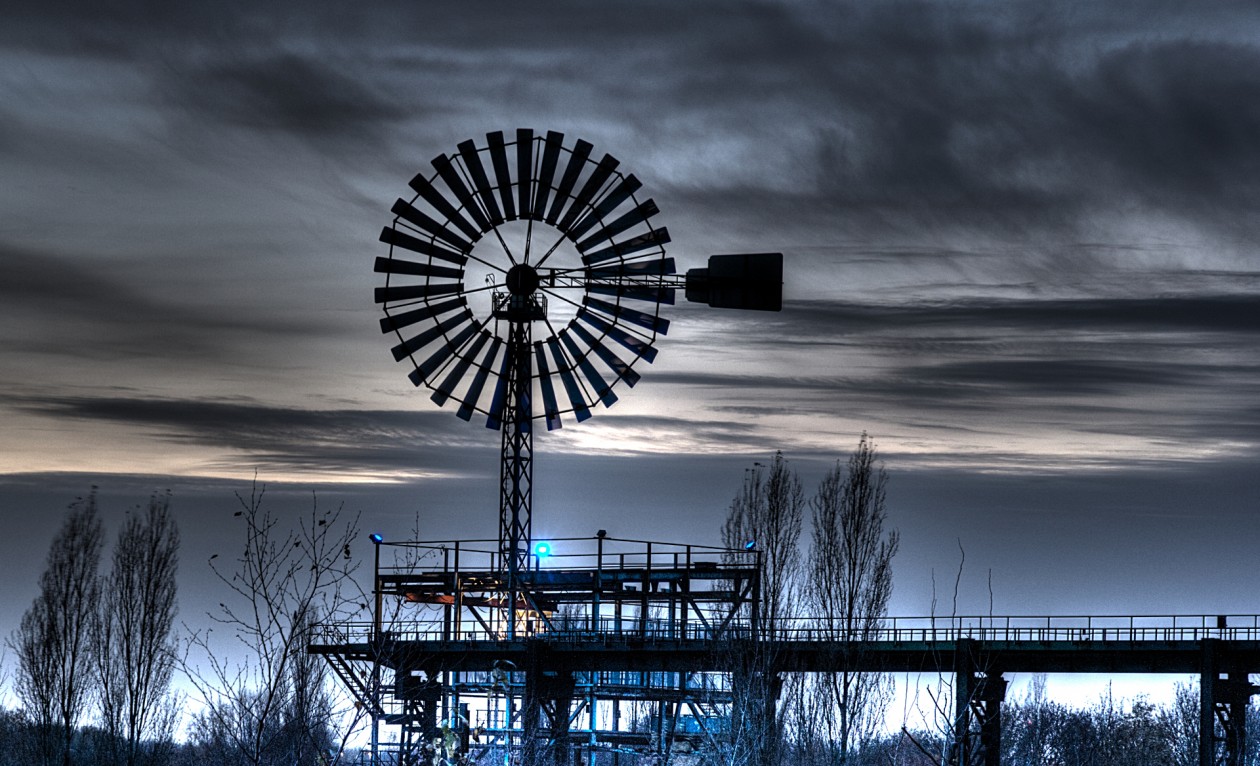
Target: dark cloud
[[340, 441], [976, 384], [903, 118], [1180, 119], [1227, 314], [101, 308], [1175, 370], [286, 93], [912, 117], [277, 438]]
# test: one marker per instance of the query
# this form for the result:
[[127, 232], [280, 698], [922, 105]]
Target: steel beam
[[516, 469]]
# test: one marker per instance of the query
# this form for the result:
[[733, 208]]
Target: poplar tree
[[53, 679], [849, 585], [135, 650]]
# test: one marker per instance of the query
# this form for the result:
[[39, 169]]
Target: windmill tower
[[525, 282], [474, 217]]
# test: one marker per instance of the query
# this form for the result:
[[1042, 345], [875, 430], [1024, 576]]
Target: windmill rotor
[[465, 216]]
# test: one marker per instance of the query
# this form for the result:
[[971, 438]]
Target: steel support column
[[419, 719], [545, 723], [1224, 692], [1207, 703], [978, 696], [516, 474]]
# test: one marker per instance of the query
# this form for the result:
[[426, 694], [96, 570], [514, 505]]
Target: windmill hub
[[522, 279]]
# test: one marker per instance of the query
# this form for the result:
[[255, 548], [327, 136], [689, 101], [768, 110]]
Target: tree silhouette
[[848, 587], [767, 513], [133, 641], [264, 699], [53, 677]]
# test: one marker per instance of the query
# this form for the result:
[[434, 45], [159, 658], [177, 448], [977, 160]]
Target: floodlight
[[374, 537]]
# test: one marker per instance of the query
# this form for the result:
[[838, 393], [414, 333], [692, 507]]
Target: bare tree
[[848, 588], [134, 648], [35, 645], [283, 582], [1181, 724], [767, 514], [309, 717], [52, 642]]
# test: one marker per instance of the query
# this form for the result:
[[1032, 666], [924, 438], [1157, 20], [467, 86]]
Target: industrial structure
[[571, 670], [631, 652], [606, 651]]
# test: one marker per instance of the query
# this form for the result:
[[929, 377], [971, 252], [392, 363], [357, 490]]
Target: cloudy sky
[[1019, 239]]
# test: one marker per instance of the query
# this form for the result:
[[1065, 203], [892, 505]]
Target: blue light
[[375, 538], [542, 549], [748, 546]]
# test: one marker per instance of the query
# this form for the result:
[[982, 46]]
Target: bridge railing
[[1234, 627]]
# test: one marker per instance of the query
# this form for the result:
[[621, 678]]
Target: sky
[[1019, 242]]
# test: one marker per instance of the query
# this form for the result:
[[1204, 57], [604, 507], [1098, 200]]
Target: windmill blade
[[640, 214], [551, 155], [429, 193], [619, 194], [408, 213], [472, 160], [399, 266], [407, 318], [614, 362], [469, 404], [550, 409], [654, 238], [417, 342], [646, 321], [598, 384], [425, 369], [448, 174], [577, 161], [592, 186], [502, 178], [658, 267], [635, 345], [413, 292], [494, 419], [524, 171], [444, 390], [397, 238], [580, 410], [636, 292]]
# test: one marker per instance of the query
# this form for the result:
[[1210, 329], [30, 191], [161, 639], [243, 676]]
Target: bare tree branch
[[265, 700], [53, 680]]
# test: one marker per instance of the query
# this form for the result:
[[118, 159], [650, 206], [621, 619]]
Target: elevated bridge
[[648, 651]]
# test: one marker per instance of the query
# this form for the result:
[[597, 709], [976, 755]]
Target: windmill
[[524, 283]]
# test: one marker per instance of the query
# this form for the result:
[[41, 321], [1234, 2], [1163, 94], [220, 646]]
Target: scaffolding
[[552, 664]]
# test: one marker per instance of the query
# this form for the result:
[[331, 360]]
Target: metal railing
[[1042, 628], [587, 553], [1021, 628]]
